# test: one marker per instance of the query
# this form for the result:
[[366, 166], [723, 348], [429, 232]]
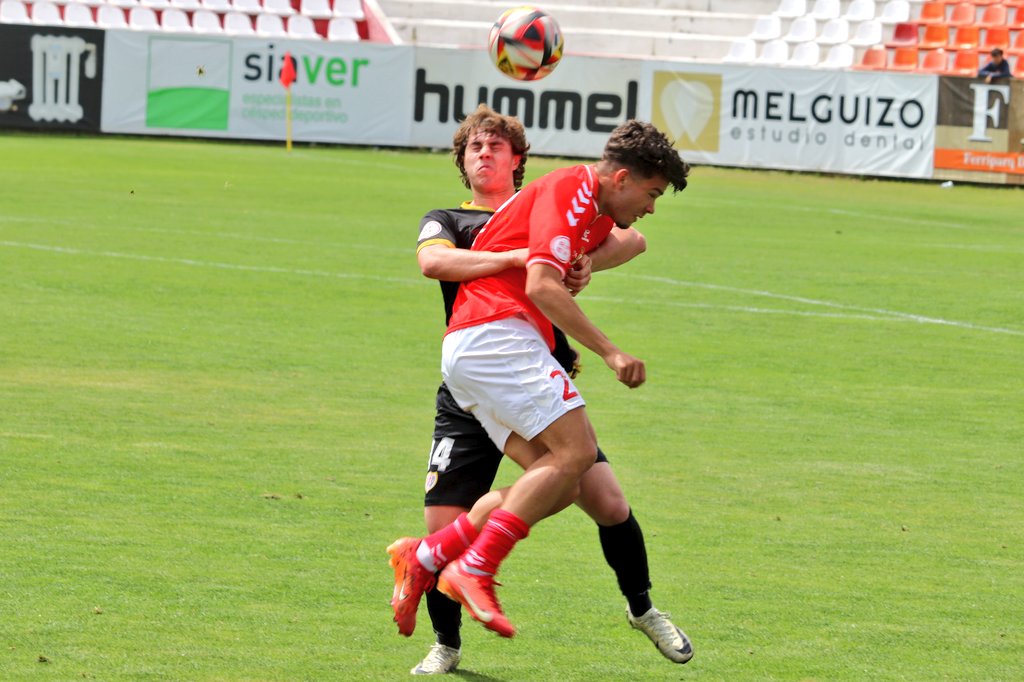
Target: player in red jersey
[[497, 351]]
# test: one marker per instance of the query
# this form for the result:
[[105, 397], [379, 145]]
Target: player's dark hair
[[485, 119], [645, 150]]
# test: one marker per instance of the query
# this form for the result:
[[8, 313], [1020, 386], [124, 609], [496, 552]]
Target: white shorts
[[503, 372]]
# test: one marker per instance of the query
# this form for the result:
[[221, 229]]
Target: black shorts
[[463, 460]]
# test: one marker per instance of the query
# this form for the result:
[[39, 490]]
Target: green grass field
[[217, 369]]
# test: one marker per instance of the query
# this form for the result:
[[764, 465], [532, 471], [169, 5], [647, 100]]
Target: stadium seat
[[342, 29], [741, 51], [801, 30], [791, 9], [1017, 22], [175, 20], [874, 59], [982, 3], [834, 32], [125, 4], [934, 61], [206, 22], [860, 10], [13, 12], [998, 36], [301, 26], [767, 27], [903, 35], [46, 13], [965, 38], [142, 19], [868, 33], [805, 55], [282, 8], [78, 15], [935, 36], [238, 24], [220, 6], [352, 9], [824, 10], [270, 26], [316, 9], [963, 14], [904, 59], [1018, 69], [109, 16], [155, 4], [839, 56], [965, 63], [187, 5], [932, 12], [252, 7], [1017, 46], [895, 11], [993, 16], [774, 52]]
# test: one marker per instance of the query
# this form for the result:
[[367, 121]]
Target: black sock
[[625, 552], [446, 617]]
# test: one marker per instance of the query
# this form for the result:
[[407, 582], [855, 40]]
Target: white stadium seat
[[109, 16], [860, 10], [342, 29], [774, 52], [834, 32], [270, 26], [206, 22], [155, 4], [142, 19], [13, 12], [175, 20], [46, 13], [221, 6], [895, 12], [741, 51], [353, 9], [839, 56], [238, 24], [802, 30], [317, 9], [767, 27], [78, 15], [187, 5], [253, 7], [282, 8], [791, 9], [868, 33], [825, 10], [123, 3], [805, 55], [301, 26]]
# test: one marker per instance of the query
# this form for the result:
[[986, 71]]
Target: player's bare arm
[[545, 288], [620, 246], [447, 263]]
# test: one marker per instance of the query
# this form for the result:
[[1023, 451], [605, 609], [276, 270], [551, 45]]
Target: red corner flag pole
[[287, 78]]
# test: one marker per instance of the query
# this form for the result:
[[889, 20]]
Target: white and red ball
[[525, 43]]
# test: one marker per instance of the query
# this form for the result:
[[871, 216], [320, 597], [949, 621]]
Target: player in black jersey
[[490, 151]]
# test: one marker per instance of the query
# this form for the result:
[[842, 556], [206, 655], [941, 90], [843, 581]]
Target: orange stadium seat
[[874, 59], [903, 34], [935, 36], [904, 59], [981, 3], [995, 37], [994, 15], [934, 61], [1018, 69], [1017, 22], [965, 38], [932, 12], [1016, 47], [963, 14], [965, 63]]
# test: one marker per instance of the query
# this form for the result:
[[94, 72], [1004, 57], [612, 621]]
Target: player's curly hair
[[488, 120], [645, 150]]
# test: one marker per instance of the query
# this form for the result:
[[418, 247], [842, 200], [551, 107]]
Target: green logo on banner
[[189, 83]]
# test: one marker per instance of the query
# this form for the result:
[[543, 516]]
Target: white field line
[[856, 312]]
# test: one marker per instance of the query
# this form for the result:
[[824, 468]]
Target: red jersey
[[556, 218]]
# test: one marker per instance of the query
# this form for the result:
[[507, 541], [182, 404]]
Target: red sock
[[441, 547], [499, 535]]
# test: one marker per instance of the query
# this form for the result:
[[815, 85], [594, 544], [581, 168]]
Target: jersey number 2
[[567, 393]]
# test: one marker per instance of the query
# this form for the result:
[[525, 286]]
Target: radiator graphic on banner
[[189, 84], [56, 74]]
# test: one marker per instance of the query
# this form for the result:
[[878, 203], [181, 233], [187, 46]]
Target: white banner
[[221, 87], [833, 121], [569, 113]]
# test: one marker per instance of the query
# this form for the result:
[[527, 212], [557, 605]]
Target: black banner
[[50, 77]]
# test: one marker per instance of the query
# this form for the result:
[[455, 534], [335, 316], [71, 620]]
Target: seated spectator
[[997, 67]]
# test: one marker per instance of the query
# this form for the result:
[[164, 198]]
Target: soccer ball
[[525, 43]]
